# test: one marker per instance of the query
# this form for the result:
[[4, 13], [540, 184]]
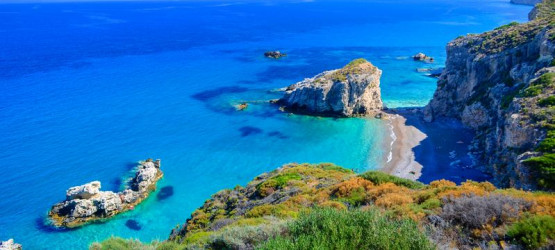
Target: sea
[[88, 89]]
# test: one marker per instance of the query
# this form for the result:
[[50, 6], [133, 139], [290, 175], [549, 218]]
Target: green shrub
[[117, 243], [548, 101], [277, 182], [545, 165], [533, 232], [547, 145], [531, 91], [379, 178], [355, 229]]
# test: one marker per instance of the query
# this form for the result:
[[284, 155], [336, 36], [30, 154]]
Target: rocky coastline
[[490, 84], [87, 203], [353, 90]]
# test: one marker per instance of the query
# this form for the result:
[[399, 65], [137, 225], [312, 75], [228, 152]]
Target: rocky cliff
[[87, 203], [350, 91], [491, 83]]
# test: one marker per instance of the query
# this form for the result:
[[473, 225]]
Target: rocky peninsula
[[86, 203], [501, 84], [324, 206], [353, 90]]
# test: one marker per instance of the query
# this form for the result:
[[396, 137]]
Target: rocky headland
[[324, 206], [502, 84], [353, 90], [86, 203]]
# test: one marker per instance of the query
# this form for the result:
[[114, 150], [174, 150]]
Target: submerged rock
[[10, 245], [274, 54], [350, 91], [87, 203]]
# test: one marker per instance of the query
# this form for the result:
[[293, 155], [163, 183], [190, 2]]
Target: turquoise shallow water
[[88, 89]]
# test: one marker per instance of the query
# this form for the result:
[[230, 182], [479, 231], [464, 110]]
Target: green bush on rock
[[533, 232], [353, 229], [377, 177]]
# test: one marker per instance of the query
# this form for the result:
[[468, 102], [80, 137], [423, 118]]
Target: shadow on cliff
[[444, 154]]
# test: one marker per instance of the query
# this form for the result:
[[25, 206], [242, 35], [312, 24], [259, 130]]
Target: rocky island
[[86, 203], [353, 90], [501, 83]]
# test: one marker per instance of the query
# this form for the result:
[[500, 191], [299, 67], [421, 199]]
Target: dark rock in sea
[[422, 57], [353, 90], [165, 192], [10, 245], [133, 225], [274, 54], [87, 203], [242, 106]]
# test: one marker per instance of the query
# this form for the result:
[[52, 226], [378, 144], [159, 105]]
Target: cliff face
[[350, 91], [484, 85]]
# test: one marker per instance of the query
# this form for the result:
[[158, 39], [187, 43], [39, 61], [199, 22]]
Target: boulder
[[10, 245], [274, 54], [422, 57], [84, 191], [350, 91]]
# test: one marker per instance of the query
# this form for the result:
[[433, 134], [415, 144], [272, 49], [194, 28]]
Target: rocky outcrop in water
[[88, 203], [422, 57], [10, 245], [491, 84], [274, 54], [351, 91]]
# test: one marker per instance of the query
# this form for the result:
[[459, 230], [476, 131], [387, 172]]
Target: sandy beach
[[400, 160]]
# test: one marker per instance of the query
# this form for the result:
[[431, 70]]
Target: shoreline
[[400, 160]]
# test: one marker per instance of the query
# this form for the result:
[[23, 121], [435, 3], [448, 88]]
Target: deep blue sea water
[[88, 89]]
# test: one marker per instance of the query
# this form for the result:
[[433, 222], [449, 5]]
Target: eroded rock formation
[[350, 91], [87, 203]]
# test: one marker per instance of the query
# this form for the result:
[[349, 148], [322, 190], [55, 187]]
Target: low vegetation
[[302, 206]]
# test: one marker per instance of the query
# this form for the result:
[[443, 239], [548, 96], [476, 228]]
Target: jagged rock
[[10, 245], [84, 191], [480, 85], [274, 54], [350, 91], [422, 57], [87, 203]]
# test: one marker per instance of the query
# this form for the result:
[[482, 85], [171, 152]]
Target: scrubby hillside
[[301, 206], [501, 84]]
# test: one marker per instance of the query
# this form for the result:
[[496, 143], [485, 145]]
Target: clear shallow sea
[[87, 89]]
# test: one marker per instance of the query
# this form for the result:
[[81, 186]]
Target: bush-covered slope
[[302, 206]]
